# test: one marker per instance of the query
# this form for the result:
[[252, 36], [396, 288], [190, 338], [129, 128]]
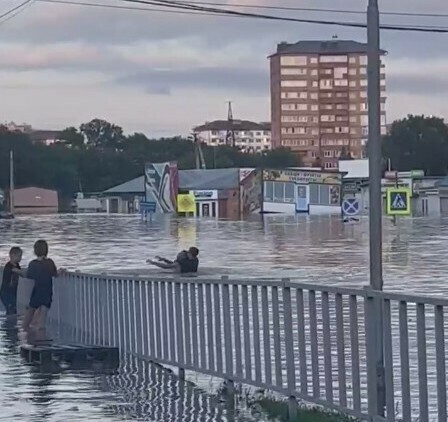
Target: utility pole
[[230, 135], [376, 206], [11, 182]]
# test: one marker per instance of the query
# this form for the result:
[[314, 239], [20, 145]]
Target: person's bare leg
[[36, 318], [28, 318], [42, 319]]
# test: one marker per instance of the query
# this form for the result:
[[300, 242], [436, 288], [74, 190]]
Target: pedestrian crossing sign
[[398, 201]]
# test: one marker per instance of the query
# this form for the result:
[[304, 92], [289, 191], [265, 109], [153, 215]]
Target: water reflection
[[303, 248]]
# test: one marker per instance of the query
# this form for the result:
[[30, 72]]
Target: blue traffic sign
[[350, 206], [148, 207]]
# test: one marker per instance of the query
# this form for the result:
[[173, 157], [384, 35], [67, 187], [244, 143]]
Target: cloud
[[123, 65]]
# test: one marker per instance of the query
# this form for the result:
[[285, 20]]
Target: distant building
[[319, 100], [250, 137], [45, 137], [34, 200], [13, 127]]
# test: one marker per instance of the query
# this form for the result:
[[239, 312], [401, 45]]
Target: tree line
[[97, 156]]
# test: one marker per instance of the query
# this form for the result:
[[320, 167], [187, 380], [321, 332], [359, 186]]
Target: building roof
[[323, 47], [218, 125], [136, 185], [209, 179], [213, 179], [44, 135]]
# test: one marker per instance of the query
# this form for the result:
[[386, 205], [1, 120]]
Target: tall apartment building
[[319, 100]]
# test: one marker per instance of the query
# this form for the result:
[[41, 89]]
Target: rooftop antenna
[[230, 135]]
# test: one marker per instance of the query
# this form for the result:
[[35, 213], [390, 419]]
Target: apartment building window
[[326, 83], [383, 82], [313, 154], [353, 96], [364, 120], [314, 107], [341, 95], [329, 165], [340, 72], [314, 96], [286, 119], [341, 129], [363, 107], [352, 60], [363, 60], [326, 95], [363, 94], [300, 84], [341, 118], [327, 130], [289, 95], [363, 82], [314, 84], [354, 130], [363, 70], [313, 60], [340, 82], [353, 71], [290, 107], [326, 106], [303, 119], [365, 131], [353, 107], [300, 130], [287, 71], [314, 119], [353, 84], [328, 154], [333, 59], [282, 192], [341, 106], [383, 106], [293, 61], [353, 119], [314, 131], [314, 72], [327, 118], [326, 71]]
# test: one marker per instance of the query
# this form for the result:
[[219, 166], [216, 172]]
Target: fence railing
[[309, 342]]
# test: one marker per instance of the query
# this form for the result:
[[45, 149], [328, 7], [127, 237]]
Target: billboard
[[186, 203], [303, 176], [161, 185], [250, 191]]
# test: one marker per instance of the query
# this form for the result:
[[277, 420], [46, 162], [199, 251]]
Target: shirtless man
[[185, 262]]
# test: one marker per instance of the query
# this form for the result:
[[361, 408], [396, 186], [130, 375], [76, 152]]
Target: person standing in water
[[10, 282], [185, 262], [41, 270]]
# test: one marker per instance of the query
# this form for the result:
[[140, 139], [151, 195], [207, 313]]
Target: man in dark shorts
[[41, 270], [185, 262], [10, 282]]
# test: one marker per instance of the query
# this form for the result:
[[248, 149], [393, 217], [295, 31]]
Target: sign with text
[[302, 176], [398, 201], [203, 195]]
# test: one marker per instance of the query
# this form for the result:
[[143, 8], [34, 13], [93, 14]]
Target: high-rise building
[[319, 100]]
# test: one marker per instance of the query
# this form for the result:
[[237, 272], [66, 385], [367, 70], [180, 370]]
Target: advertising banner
[[161, 185], [302, 177]]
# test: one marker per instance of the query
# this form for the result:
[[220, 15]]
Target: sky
[[163, 73]]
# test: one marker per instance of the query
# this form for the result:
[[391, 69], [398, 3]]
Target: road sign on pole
[[350, 207], [398, 201]]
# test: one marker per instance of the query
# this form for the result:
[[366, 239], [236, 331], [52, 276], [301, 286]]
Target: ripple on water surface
[[309, 249]]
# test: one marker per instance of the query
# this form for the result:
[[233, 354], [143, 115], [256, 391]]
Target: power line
[[193, 8], [112, 6], [222, 11], [313, 9], [15, 11]]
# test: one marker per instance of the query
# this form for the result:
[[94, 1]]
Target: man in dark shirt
[[10, 282], [185, 262]]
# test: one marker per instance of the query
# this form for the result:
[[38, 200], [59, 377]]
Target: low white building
[[249, 136]]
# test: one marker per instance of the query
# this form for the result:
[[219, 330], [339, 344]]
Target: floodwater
[[137, 391], [306, 249]]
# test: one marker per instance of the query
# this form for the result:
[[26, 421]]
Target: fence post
[[289, 349], [228, 345], [374, 345]]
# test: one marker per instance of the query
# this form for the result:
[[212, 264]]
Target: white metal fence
[[310, 342]]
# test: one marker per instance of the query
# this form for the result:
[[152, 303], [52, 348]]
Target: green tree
[[73, 138], [102, 134], [418, 143]]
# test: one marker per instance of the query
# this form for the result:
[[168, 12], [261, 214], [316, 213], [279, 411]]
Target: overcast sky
[[162, 73]]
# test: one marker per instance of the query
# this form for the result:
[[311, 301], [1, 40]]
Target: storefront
[[206, 203], [291, 191]]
